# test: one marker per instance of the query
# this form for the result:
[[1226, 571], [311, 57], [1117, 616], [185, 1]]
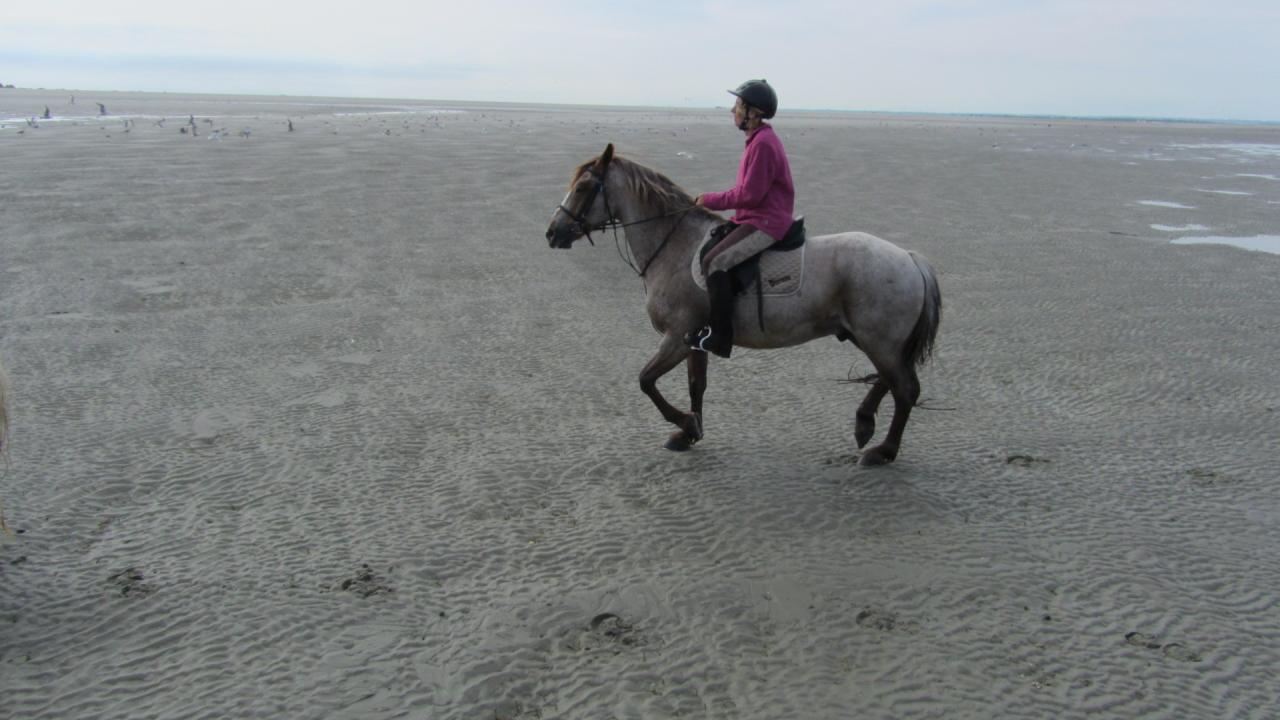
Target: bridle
[[581, 225]]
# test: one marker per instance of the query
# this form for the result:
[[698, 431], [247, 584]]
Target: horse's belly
[[788, 320]]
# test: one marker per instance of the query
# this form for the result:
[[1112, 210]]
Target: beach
[[308, 421]]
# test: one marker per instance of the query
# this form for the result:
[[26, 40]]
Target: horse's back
[[862, 258]]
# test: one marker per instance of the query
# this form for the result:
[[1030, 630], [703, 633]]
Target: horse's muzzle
[[558, 239]]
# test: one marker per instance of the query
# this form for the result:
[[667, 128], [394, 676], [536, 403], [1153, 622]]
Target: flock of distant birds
[[190, 128]]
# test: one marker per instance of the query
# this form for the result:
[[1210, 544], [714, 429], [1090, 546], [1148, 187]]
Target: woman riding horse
[[855, 287], [764, 198]]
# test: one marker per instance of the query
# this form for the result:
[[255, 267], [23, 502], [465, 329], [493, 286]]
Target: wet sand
[[314, 424]]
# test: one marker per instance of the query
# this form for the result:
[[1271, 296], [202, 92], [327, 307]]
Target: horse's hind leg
[[670, 353], [905, 386], [865, 425]]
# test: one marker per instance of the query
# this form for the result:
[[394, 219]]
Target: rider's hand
[[698, 201]]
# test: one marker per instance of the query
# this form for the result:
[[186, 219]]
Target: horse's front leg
[[670, 352], [684, 438]]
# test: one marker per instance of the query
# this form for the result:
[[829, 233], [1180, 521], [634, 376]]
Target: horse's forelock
[[578, 171]]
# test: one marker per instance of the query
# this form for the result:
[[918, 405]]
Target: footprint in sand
[[1174, 651], [606, 632]]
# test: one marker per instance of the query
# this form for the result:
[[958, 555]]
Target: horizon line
[[937, 113]]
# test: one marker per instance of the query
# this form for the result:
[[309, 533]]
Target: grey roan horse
[[857, 287]]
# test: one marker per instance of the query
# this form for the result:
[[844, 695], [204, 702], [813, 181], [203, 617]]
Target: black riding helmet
[[758, 94]]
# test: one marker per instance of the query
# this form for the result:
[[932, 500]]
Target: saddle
[[747, 274]]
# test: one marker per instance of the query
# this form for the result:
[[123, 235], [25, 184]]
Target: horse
[[857, 287]]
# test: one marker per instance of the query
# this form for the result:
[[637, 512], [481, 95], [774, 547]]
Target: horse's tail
[[919, 345]]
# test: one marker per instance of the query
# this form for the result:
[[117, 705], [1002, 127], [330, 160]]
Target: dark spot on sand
[[876, 620], [130, 583], [1206, 477], [365, 583]]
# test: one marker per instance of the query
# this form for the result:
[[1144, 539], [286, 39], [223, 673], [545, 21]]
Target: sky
[[1138, 58]]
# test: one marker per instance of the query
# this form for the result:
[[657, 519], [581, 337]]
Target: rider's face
[[739, 112]]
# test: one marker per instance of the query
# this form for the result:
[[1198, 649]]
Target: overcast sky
[[1166, 58]]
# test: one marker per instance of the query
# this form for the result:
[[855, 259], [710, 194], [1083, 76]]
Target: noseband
[[581, 225]]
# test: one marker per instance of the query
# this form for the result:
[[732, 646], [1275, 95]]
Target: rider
[[764, 199]]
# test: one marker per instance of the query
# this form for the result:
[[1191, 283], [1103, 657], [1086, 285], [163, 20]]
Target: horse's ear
[[607, 156]]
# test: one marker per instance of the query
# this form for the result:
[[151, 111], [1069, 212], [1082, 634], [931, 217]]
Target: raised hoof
[[862, 434], [877, 456], [684, 438]]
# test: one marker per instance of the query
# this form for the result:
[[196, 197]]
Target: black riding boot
[[717, 337]]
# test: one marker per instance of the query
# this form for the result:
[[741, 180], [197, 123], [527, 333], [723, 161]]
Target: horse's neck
[[664, 244]]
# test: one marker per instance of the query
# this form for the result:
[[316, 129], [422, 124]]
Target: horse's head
[[586, 207]]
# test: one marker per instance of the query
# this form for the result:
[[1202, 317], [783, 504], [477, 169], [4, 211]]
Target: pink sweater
[[764, 196]]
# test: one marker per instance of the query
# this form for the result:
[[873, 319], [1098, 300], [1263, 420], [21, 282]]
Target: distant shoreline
[[1077, 118], [1137, 119]]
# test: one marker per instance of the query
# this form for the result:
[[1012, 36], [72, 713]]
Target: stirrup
[[708, 341], [695, 338]]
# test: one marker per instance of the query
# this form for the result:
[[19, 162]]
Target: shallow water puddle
[[1223, 192], [1264, 243], [1250, 149], [1166, 204]]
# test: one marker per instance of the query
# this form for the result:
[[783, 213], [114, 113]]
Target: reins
[[674, 226]]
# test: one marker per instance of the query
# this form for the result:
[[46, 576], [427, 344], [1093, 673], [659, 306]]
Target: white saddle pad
[[781, 273]]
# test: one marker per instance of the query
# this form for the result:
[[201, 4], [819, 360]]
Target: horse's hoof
[[862, 435], [876, 456], [678, 442]]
